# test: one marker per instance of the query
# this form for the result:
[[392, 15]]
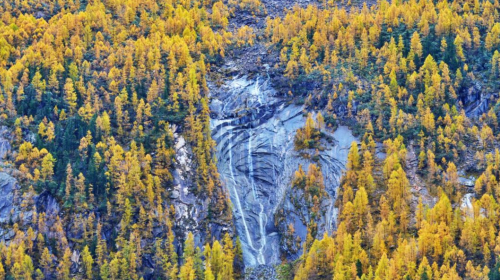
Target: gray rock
[[190, 210], [473, 93], [254, 129], [468, 182], [261, 272], [175, 194], [466, 204], [475, 101], [11, 210], [4, 143], [8, 188], [48, 204], [75, 262]]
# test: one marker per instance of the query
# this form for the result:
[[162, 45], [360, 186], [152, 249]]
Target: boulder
[[468, 182]]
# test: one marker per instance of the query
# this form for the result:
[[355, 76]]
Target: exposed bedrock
[[254, 129]]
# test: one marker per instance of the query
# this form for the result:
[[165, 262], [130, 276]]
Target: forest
[[109, 168]]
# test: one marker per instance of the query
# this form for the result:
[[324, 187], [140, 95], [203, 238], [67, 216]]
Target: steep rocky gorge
[[254, 127]]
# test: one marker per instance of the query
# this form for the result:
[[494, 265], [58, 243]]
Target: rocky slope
[[254, 127], [17, 205]]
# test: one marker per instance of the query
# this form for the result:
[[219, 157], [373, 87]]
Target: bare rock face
[[18, 207], [254, 134], [475, 101], [4, 144], [191, 209], [184, 199], [10, 196], [48, 204], [254, 128], [10, 210], [8, 188]]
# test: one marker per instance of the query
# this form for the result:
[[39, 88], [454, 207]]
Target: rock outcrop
[[8, 192], [191, 209], [475, 101], [254, 128], [11, 210], [4, 145]]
